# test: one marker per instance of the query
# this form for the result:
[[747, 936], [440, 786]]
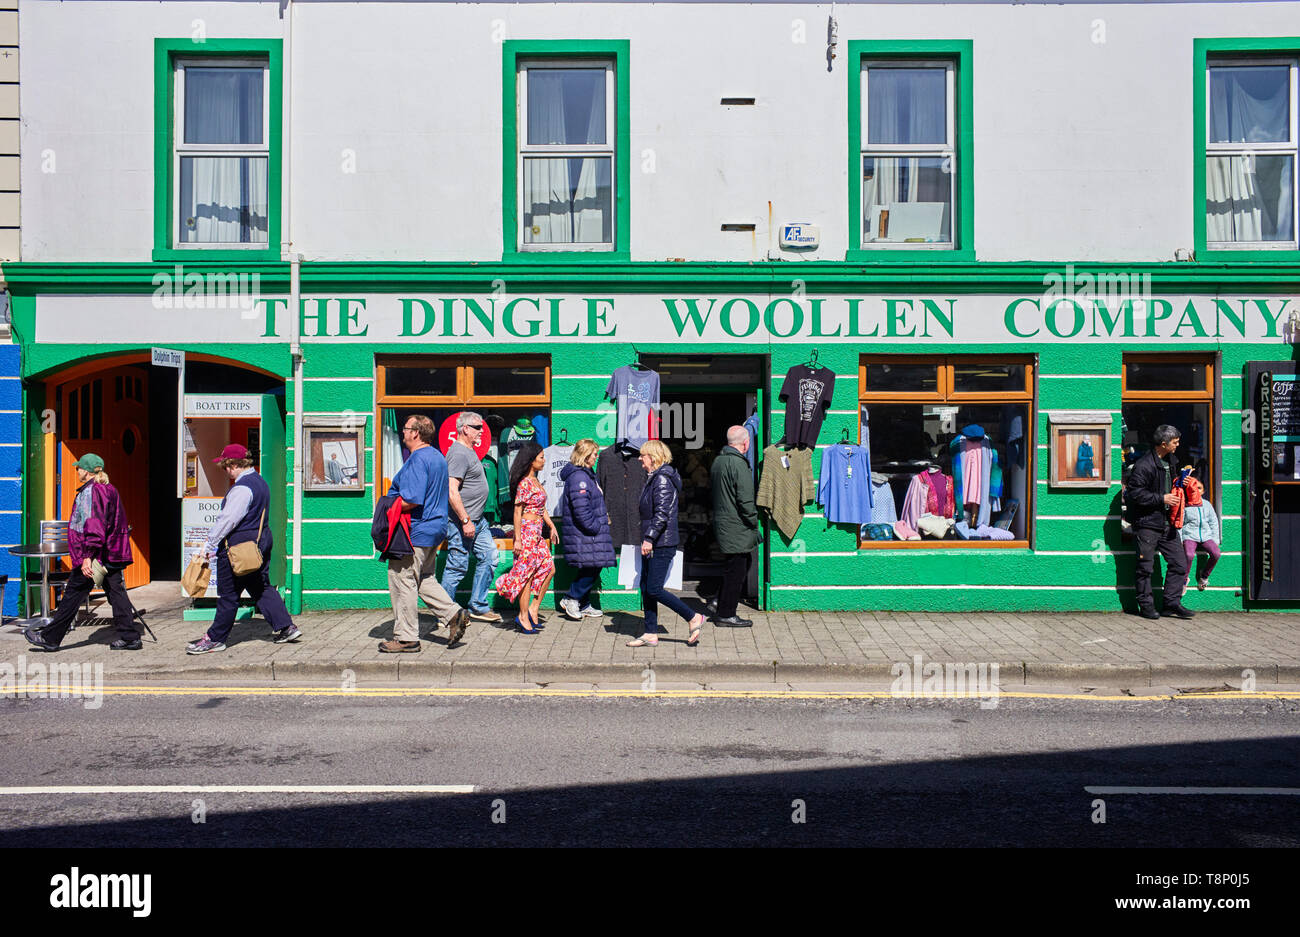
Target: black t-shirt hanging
[[807, 394]]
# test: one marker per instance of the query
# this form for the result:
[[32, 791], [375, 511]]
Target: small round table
[[45, 552]]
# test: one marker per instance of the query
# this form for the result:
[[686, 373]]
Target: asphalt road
[[650, 772]]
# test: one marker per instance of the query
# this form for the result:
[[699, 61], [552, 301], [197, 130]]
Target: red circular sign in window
[[447, 436]]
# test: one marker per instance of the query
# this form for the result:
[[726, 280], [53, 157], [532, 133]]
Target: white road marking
[[247, 789], [1231, 791]]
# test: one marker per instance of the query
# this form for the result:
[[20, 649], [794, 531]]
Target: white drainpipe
[[287, 253]]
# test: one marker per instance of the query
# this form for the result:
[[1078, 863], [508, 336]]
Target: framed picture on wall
[[1080, 453], [334, 457]]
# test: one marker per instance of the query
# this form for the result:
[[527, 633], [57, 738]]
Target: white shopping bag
[[629, 568]]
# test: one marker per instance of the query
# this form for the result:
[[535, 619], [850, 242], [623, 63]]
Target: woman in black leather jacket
[[659, 503]]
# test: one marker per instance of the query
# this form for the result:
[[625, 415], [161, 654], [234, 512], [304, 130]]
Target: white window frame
[[1250, 150], [182, 149], [881, 150], [558, 151]]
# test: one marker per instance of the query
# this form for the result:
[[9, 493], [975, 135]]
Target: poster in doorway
[[197, 517]]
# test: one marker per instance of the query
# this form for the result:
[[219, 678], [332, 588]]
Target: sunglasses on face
[[474, 426]]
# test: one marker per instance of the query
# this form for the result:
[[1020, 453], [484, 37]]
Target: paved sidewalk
[[782, 649]]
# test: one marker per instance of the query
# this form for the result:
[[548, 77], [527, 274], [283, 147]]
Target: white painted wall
[[1083, 149]]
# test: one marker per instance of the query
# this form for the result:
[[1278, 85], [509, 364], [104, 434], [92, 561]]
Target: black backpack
[[390, 543]]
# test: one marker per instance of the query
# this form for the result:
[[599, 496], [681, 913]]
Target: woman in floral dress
[[530, 576]]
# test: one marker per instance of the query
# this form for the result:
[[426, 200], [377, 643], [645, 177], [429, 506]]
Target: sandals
[[646, 640], [697, 623]]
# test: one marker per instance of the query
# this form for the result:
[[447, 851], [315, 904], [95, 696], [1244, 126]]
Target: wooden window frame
[[945, 394], [465, 366], [1149, 357], [464, 398], [1208, 395]]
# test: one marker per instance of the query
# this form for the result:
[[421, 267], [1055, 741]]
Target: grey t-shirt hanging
[[637, 394]]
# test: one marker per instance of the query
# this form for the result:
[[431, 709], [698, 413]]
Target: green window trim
[[166, 52], [961, 52], [1202, 51], [512, 51]]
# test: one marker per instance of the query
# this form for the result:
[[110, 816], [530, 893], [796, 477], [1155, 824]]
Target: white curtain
[[226, 196], [563, 196], [390, 453], [904, 106], [1234, 208], [1249, 198]]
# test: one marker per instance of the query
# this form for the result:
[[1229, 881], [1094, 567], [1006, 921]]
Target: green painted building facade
[[590, 319]]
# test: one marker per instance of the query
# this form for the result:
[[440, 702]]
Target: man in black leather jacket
[[1149, 497]]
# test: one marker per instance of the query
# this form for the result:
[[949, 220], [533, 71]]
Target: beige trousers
[[412, 576]]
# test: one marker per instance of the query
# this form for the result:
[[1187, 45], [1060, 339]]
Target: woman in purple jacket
[[584, 530], [97, 532]]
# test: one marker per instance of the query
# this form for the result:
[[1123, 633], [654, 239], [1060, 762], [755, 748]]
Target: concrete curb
[[778, 674]]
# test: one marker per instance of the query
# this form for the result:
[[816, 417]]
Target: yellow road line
[[398, 692]]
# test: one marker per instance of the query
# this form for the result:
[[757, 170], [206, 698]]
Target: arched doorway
[[125, 410]]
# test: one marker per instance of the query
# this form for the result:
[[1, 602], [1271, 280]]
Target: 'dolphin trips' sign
[[752, 319]]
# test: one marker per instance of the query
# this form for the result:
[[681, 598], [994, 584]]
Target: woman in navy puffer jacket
[[660, 500], [584, 530]]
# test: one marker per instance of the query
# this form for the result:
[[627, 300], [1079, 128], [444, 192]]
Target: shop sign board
[[168, 358], [223, 406], [757, 319]]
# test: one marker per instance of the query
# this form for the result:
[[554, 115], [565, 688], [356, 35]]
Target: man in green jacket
[[735, 520]]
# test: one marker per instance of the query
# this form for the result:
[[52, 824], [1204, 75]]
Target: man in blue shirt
[[422, 485]]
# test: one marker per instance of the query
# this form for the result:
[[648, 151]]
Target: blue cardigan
[[584, 521]]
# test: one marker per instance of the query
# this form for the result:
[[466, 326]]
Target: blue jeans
[[459, 548], [654, 572], [583, 581]]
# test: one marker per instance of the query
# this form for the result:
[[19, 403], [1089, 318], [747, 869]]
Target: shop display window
[[956, 426], [512, 393], [1177, 390]]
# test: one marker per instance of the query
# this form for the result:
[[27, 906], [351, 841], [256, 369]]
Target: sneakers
[[285, 635], [590, 611], [488, 617], [34, 636], [204, 645], [570, 608], [1202, 582], [399, 647], [122, 644]]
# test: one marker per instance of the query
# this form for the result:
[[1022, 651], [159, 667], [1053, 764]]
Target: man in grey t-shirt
[[468, 497]]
